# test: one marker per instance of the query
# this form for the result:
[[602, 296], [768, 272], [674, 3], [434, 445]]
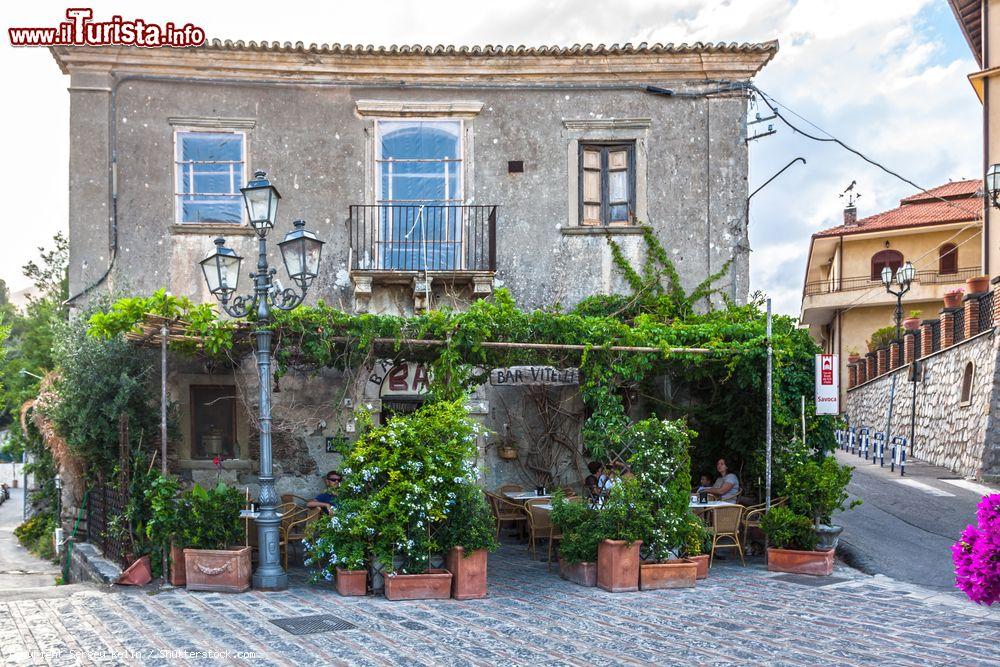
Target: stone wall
[[948, 432]]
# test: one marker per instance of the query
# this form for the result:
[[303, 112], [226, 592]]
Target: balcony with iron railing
[[853, 283], [417, 244], [418, 237]]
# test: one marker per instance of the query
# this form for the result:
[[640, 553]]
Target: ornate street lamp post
[[904, 277], [301, 251]]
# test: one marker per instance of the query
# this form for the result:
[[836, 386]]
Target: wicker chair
[[752, 517], [294, 499], [539, 523], [294, 530], [504, 488], [568, 491], [726, 526], [506, 511]]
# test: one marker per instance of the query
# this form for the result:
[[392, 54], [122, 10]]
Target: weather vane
[[851, 195]]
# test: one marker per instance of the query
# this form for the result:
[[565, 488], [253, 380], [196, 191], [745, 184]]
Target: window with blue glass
[[419, 164], [210, 172]]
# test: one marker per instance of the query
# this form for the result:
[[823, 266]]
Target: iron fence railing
[[916, 344], [935, 335], [852, 283], [423, 237], [104, 503], [959, 325], [986, 311]]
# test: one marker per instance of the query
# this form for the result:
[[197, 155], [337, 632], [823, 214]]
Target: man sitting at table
[[328, 499], [727, 486]]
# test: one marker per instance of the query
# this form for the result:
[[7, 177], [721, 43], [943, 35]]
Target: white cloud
[[870, 71]]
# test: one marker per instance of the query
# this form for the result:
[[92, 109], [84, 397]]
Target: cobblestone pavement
[[737, 616]]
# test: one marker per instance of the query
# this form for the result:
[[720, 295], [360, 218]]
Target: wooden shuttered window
[[607, 184]]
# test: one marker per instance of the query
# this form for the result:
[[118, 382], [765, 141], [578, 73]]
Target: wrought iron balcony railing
[[865, 282], [423, 237]]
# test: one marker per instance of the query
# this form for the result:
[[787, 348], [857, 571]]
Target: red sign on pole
[[826, 369]]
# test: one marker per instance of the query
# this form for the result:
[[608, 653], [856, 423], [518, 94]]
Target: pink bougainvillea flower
[[977, 554]]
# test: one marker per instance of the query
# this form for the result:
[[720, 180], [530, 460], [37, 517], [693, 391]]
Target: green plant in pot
[[912, 321], [336, 547], [787, 530], [467, 536], [624, 520], [578, 523], [209, 525], [816, 490]]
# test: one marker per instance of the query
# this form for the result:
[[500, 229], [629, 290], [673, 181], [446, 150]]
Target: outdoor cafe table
[[523, 496]]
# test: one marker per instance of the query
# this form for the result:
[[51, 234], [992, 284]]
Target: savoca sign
[[827, 384]]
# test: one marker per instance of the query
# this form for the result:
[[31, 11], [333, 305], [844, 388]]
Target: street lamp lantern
[[993, 184], [905, 274], [301, 251], [222, 270], [886, 275], [261, 199]]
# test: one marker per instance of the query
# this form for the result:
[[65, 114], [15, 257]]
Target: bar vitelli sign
[[534, 375], [827, 384]]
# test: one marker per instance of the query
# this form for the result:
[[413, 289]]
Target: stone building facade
[[434, 174]]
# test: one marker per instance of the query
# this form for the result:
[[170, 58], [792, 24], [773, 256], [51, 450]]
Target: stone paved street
[[738, 616]]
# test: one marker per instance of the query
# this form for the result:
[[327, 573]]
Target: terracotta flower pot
[[137, 574], [582, 574], [178, 575], [953, 299], [672, 574], [853, 358], [618, 565], [818, 563], [468, 574], [352, 582], [977, 285], [432, 585], [702, 562], [220, 570], [911, 323], [507, 453]]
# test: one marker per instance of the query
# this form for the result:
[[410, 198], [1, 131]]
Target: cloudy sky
[[886, 76]]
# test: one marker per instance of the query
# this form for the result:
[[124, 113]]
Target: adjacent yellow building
[[843, 298]]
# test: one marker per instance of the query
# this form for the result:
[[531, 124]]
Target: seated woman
[[328, 499], [727, 486]]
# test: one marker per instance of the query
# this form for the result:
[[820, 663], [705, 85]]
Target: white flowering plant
[[661, 463], [402, 481]]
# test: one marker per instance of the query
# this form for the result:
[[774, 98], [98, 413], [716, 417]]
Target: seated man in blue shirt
[[328, 499]]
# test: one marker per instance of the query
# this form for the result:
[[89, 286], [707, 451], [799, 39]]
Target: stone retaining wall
[[947, 433]]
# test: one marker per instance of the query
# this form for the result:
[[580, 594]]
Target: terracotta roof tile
[[495, 50], [926, 208]]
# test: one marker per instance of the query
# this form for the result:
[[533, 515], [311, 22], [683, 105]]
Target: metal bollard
[[852, 439], [838, 437], [899, 444], [878, 448], [864, 442]]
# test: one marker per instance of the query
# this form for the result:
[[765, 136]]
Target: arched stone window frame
[[966, 386]]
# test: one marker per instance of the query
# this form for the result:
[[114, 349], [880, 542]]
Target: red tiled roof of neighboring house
[[962, 203]]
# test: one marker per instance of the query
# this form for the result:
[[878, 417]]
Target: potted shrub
[[163, 527], [337, 553], [401, 482], [881, 338], [977, 572], [622, 523], [853, 357], [578, 523], [697, 543], [794, 541], [912, 323], [817, 490], [468, 535], [953, 298], [977, 285], [210, 523]]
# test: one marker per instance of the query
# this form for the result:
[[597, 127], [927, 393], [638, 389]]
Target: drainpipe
[[986, 136]]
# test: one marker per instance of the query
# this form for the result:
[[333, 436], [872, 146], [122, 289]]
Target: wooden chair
[[539, 523], [505, 510], [726, 526]]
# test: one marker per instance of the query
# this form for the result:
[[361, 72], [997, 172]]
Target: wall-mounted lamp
[[993, 184]]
